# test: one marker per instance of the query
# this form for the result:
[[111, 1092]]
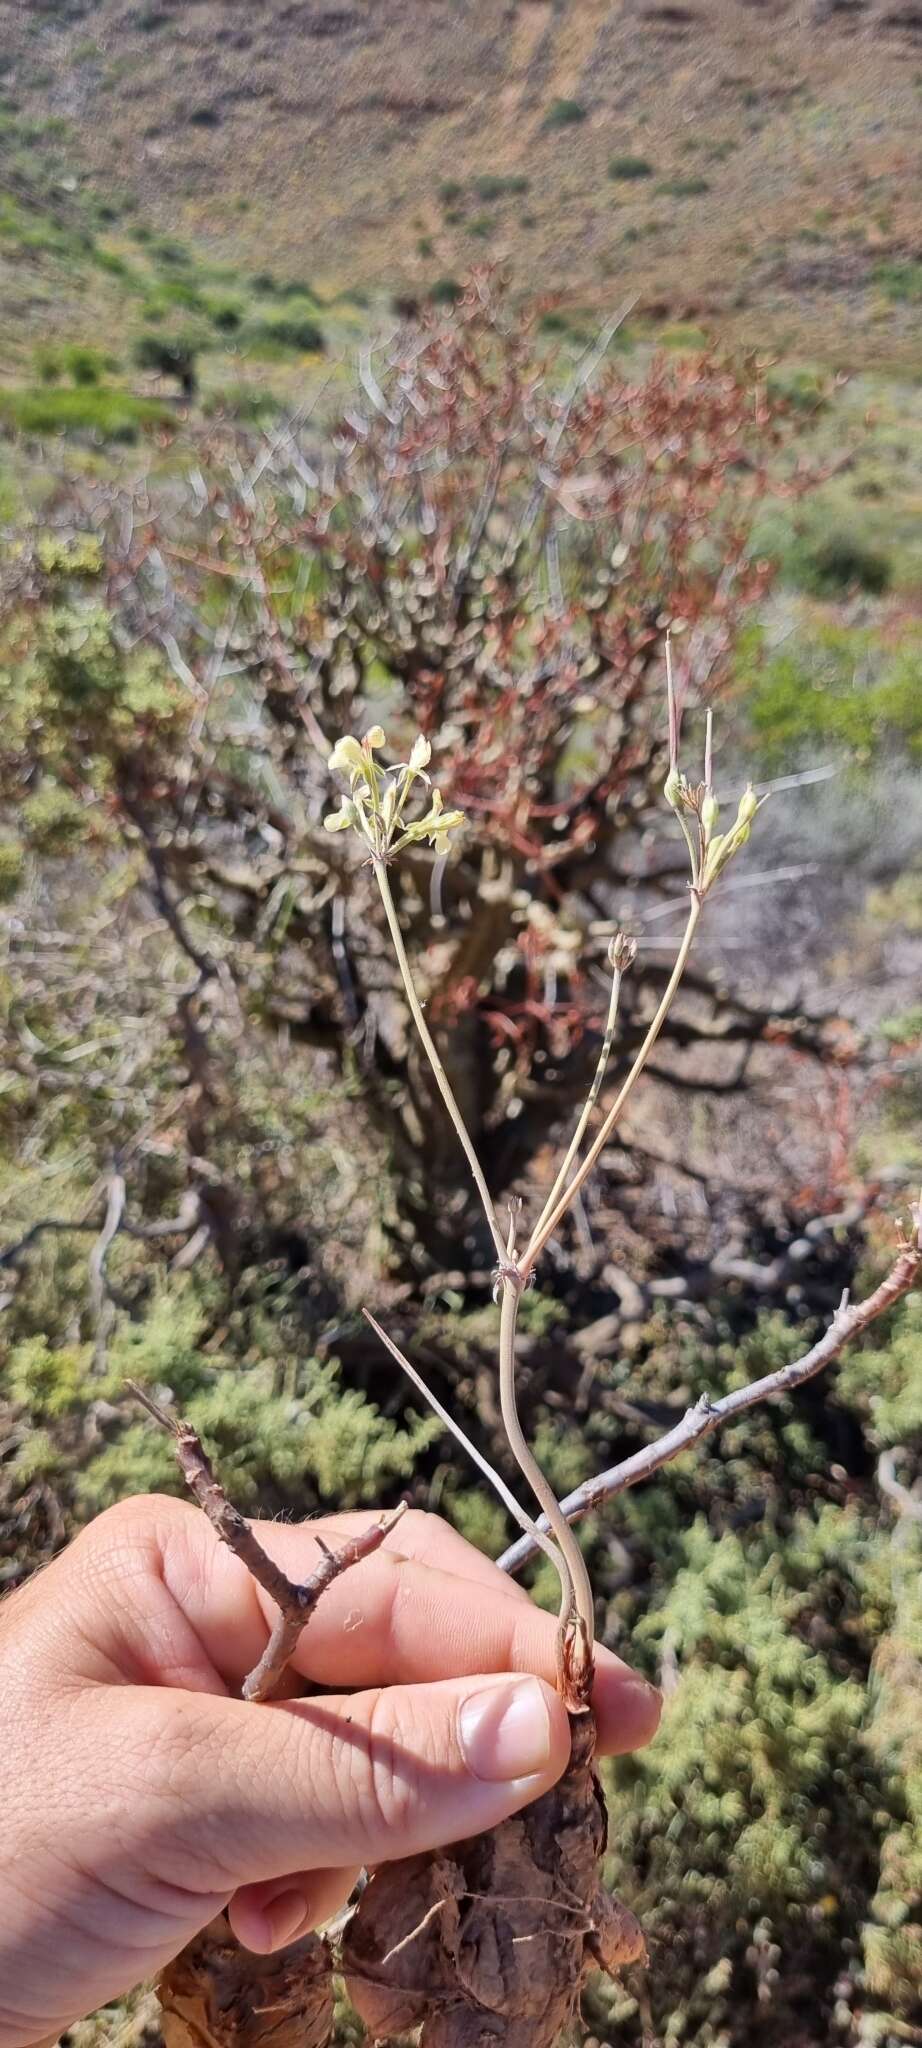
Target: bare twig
[[166, 1226], [295, 1603], [706, 1416]]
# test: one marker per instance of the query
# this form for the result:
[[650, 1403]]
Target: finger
[[270, 1915], [390, 1621], [234, 1794], [193, 1619]]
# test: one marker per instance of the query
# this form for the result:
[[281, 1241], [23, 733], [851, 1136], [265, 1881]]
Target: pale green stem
[[549, 1220], [591, 1099], [576, 1603], [442, 1082]]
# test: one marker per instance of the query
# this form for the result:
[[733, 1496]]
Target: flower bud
[[748, 806], [341, 820], [710, 812], [374, 737], [420, 753], [347, 757], [672, 788], [622, 951]]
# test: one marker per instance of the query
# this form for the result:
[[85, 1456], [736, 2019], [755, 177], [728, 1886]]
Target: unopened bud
[[672, 788], [710, 812], [748, 806], [622, 952]]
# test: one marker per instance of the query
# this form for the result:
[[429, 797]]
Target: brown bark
[[488, 1942], [218, 1995]]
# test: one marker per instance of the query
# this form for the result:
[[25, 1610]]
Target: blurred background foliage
[[487, 539]]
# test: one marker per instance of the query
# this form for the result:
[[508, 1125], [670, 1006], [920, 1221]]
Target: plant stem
[[577, 1609], [551, 1217], [442, 1082], [445, 1416], [591, 1099]]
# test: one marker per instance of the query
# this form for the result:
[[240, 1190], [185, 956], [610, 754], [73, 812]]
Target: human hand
[[140, 1797]]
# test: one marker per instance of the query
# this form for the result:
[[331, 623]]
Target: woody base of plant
[[492, 1939]]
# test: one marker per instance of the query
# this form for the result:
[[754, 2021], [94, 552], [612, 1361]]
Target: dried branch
[[295, 1603], [147, 1233], [850, 1320]]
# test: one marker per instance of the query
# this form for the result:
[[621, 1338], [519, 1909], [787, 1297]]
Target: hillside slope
[[752, 168]]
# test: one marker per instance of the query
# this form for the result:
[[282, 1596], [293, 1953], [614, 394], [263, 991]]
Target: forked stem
[[551, 1215], [592, 1097]]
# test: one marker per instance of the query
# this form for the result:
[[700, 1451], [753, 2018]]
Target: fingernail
[[285, 1917], [505, 1731]]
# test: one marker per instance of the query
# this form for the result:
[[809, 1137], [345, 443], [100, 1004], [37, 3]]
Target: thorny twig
[[295, 1603], [850, 1320]]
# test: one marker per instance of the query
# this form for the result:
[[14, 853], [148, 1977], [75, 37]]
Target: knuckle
[[388, 1776], [425, 1528]]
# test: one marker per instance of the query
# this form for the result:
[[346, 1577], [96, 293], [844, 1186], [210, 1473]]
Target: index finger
[[394, 1619]]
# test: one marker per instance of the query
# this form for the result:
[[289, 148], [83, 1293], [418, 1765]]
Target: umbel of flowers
[[378, 797]]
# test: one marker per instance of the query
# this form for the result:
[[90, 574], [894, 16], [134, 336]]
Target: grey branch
[[167, 1226], [295, 1603], [707, 1416]]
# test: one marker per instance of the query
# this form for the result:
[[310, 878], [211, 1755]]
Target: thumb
[[246, 1793]]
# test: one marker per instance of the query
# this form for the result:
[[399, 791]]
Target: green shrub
[[833, 562], [49, 1381], [12, 868], [564, 113], [107, 414], [900, 281], [54, 820], [682, 334], [446, 291], [839, 687], [798, 386], [489, 186], [296, 331], [683, 188], [170, 355], [629, 167]]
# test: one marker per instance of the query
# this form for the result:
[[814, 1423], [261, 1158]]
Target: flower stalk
[[376, 809]]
